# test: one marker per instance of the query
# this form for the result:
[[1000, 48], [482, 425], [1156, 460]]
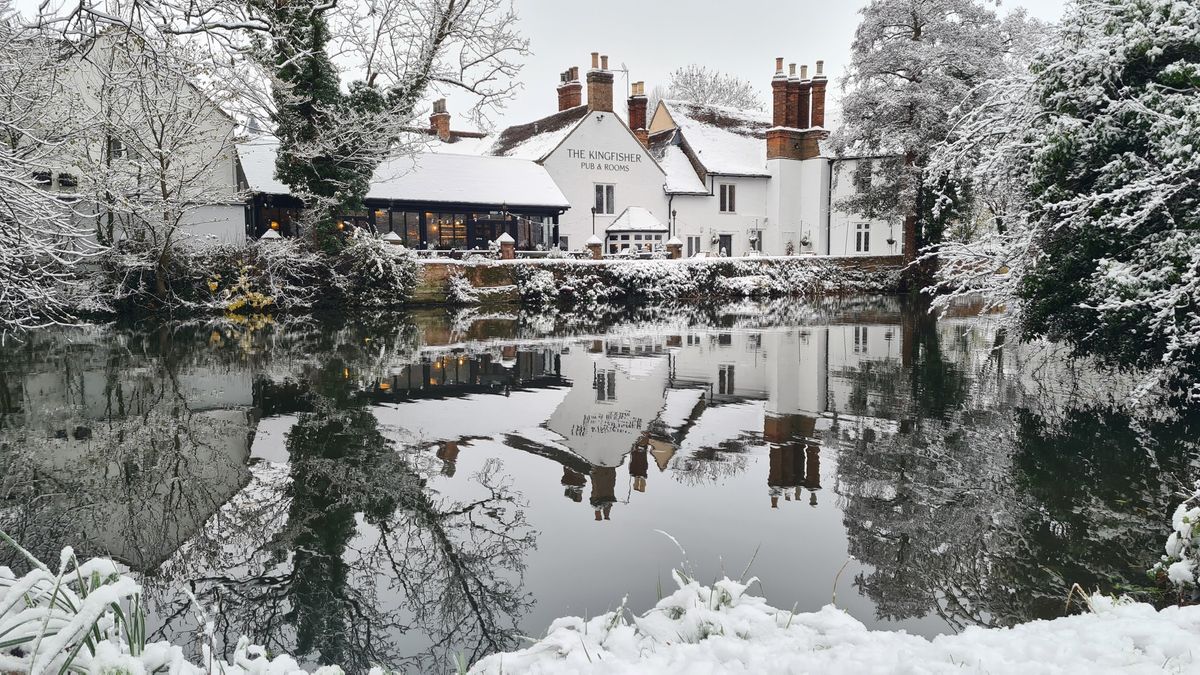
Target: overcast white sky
[[653, 37]]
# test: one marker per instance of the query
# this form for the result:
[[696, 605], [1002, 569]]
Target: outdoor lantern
[[341, 225], [274, 224]]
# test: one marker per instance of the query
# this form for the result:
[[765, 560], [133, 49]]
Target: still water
[[407, 488]]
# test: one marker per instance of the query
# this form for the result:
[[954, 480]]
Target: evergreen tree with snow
[[912, 63], [1115, 183], [1096, 143]]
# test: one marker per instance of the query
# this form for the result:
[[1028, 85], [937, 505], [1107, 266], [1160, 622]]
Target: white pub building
[[714, 181], [717, 180]]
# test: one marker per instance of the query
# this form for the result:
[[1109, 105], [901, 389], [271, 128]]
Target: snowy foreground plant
[[701, 629], [1181, 563], [89, 618]]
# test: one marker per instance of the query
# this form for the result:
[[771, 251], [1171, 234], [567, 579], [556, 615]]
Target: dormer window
[[66, 180], [116, 148], [42, 178]]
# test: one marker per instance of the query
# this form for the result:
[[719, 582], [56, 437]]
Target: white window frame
[[862, 238], [728, 198], [606, 198]]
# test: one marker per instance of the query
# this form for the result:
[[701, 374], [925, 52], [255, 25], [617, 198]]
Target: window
[[42, 178], [862, 175], [862, 237], [728, 198], [725, 379], [693, 246], [606, 199], [116, 148], [637, 237], [564, 243], [446, 230], [66, 180], [860, 339], [606, 385], [624, 237]]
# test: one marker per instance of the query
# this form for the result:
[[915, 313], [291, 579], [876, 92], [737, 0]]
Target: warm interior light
[[274, 224], [341, 225]]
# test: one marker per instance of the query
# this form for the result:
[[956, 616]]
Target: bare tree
[[698, 84], [40, 247]]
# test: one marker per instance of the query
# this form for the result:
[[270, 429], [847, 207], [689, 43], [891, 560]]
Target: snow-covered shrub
[[538, 287], [460, 291], [374, 273], [1180, 565]]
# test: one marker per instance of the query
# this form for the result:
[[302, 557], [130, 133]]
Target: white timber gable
[[601, 164]]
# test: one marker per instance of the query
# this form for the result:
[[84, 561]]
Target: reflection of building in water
[[455, 374], [795, 457], [691, 401], [130, 462]]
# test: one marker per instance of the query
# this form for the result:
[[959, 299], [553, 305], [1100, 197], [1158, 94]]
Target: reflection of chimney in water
[[812, 473], [604, 490], [448, 453], [574, 482], [639, 465]]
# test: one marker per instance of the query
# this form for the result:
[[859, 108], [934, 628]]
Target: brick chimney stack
[[439, 121], [570, 90], [793, 97], [779, 96], [818, 96], [798, 105], [600, 85], [805, 91], [637, 113]]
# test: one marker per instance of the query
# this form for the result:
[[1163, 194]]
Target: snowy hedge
[[268, 275], [591, 282]]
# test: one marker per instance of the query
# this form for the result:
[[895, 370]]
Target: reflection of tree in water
[[453, 569], [108, 442], [986, 515]]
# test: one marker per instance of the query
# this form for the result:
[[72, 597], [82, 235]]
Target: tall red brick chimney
[[779, 96], [805, 92], [439, 121], [570, 90], [600, 85], [637, 112], [793, 98], [818, 96]]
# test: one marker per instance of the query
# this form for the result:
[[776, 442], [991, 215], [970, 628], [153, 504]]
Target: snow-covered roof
[[429, 177], [636, 219], [725, 140], [537, 139], [681, 175]]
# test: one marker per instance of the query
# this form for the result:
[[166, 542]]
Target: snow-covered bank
[[723, 629]]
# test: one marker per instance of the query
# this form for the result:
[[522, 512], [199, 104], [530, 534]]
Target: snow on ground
[[722, 629]]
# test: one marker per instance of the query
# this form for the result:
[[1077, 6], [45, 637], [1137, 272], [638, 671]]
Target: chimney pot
[[804, 72], [820, 69], [779, 64], [604, 62], [792, 70], [595, 60]]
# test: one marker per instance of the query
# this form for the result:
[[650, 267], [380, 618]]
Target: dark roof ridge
[[515, 135]]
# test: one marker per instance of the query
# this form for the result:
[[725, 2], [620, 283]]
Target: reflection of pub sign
[[607, 422]]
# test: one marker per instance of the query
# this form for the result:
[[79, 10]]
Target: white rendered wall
[[843, 224], [700, 215], [576, 171]]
